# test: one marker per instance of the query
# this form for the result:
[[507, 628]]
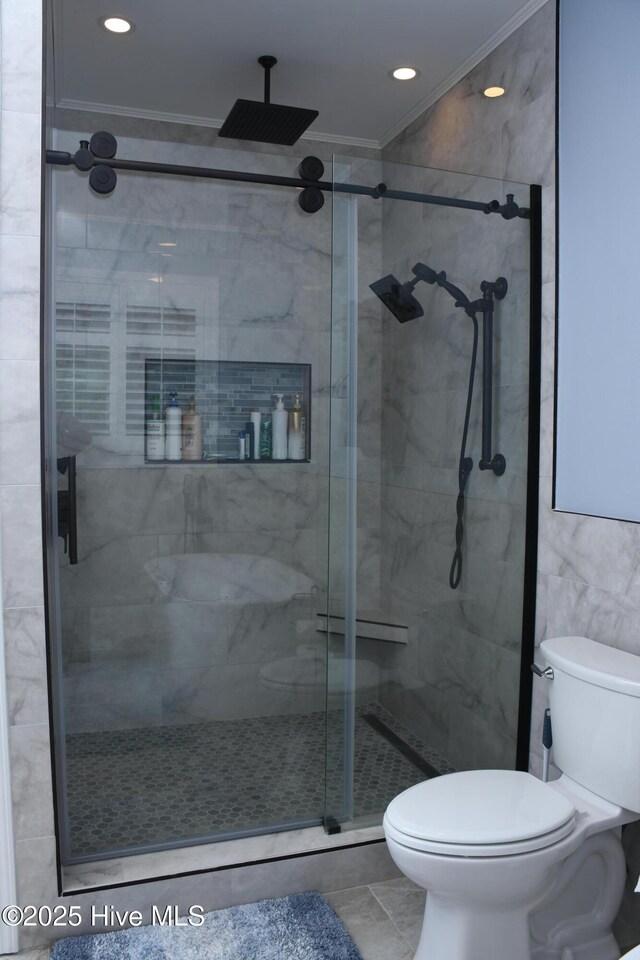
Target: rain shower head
[[398, 298], [266, 122]]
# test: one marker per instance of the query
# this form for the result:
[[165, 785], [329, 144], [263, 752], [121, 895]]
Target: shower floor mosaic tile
[[131, 788]]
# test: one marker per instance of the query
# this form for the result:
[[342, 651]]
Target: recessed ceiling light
[[494, 91], [116, 24], [404, 73], [156, 279], [167, 243]]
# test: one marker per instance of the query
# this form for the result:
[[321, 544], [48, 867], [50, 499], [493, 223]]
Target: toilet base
[[468, 934], [604, 948], [566, 914]]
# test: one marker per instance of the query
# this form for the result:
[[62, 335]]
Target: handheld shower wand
[[399, 299]]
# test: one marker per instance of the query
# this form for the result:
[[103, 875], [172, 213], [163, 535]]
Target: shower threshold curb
[[212, 857]]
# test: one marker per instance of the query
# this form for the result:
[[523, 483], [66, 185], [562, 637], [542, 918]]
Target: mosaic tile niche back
[[227, 395]]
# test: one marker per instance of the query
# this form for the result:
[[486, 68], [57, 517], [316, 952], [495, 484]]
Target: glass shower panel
[[434, 675], [191, 681]]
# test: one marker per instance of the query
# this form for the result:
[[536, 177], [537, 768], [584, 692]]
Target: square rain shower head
[[266, 122]]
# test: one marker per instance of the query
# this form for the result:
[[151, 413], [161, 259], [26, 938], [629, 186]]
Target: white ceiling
[[191, 59]]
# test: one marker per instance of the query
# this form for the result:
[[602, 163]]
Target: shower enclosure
[[243, 646]]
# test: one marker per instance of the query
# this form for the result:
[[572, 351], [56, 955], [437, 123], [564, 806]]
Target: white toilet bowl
[[499, 853], [633, 954], [516, 869]]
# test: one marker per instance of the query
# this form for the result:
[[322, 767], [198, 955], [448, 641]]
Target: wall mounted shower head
[[398, 298]]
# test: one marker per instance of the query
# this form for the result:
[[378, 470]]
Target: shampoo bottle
[[173, 416], [192, 433], [155, 431], [279, 421], [265, 440], [297, 431], [255, 420]]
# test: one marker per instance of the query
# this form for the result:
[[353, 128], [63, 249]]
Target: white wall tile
[[19, 422], [20, 174], [20, 512]]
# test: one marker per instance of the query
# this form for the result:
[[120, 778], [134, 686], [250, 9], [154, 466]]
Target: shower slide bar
[[103, 180]]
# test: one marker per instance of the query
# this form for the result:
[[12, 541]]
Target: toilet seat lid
[[483, 807]]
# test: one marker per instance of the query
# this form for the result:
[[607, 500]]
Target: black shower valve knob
[[83, 158], [104, 145]]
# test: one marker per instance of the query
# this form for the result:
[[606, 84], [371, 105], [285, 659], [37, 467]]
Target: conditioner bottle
[[155, 432], [297, 431], [192, 433], [173, 418], [279, 421]]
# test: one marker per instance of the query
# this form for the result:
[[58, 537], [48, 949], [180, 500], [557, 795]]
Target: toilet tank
[[595, 716]]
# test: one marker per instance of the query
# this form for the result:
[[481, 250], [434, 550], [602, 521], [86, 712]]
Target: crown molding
[[195, 121], [516, 21], [469, 64]]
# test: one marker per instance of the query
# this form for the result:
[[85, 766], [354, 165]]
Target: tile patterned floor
[[384, 919], [131, 788]]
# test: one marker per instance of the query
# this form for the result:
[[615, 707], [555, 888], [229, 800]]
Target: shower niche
[[225, 394]]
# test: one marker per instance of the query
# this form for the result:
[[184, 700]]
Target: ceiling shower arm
[[268, 63]]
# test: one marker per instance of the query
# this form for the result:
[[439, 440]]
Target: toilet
[[518, 869]]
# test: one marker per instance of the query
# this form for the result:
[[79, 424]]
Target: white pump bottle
[[279, 419]]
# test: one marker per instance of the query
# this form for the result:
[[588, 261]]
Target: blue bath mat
[[300, 927]]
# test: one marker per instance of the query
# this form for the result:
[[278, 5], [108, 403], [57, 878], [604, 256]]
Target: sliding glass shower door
[[190, 658], [252, 631], [433, 478]]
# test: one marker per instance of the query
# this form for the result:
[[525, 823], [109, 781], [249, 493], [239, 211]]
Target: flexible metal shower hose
[[465, 466]]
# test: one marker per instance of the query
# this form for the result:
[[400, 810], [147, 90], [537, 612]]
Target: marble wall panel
[[19, 191], [160, 637], [157, 501], [20, 292], [111, 571], [26, 674], [20, 435], [31, 781], [428, 369], [21, 545]]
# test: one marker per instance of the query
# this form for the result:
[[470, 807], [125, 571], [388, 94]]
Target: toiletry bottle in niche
[[241, 444], [173, 419], [255, 418], [279, 420], [265, 440], [250, 440], [155, 431], [191, 433], [297, 431]]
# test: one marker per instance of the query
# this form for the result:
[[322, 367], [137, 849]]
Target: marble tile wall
[[458, 681], [170, 517], [264, 271], [20, 509], [587, 576]]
